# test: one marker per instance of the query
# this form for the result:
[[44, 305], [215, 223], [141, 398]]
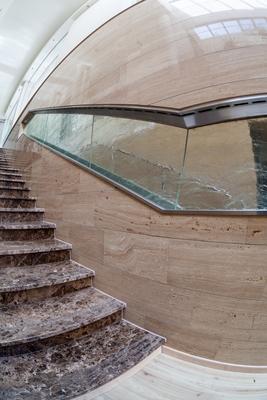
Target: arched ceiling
[[25, 27]]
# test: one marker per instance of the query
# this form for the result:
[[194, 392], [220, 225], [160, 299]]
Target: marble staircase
[[59, 336]]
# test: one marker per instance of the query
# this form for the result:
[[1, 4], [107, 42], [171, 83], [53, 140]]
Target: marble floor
[[163, 377]]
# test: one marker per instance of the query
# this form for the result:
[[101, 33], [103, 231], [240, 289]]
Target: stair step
[[3, 156], [72, 369], [21, 214], [27, 231], [17, 202], [56, 319], [12, 182], [33, 252], [10, 175], [11, 165], [9, 169], [14, 192], [41, 281]]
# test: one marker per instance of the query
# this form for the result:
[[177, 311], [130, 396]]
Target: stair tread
[[3, 174], [7, 167], [27, 225], [2, 209], [38, 320], [35, 246], [14, 188], [11, 180], [41, 275], [18, 198], [77, 367]]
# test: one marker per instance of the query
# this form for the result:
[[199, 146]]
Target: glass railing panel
[[37, 127], [144, 156], [226, 167], [219, 167], [68, 133], [71, 133]]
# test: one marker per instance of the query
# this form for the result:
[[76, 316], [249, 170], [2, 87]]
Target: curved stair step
[[9, 169], [29, 283], [34, 252], [28, 231], [68, 370], [56, 319], [14, 192], [21, 214], [11, 182], [17, 202], [11, 175]]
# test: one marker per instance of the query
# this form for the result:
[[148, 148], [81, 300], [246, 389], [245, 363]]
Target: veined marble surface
[[64, 371]]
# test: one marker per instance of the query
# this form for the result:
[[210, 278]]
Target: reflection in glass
[[148, 154], [215, 167], [258, 133], [222, 167]]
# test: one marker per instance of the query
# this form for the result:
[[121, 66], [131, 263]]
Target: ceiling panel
[[25, 27]]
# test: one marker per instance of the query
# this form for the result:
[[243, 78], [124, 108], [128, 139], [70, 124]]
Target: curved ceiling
[[25, 27]]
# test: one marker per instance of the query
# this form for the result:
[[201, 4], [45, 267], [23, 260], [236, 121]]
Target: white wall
[[80, 25]]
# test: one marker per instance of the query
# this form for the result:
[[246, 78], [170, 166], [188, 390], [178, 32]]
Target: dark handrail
[[188, 118]]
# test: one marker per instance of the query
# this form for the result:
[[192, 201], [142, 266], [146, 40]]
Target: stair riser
[[35, 345], [27, 234], [21, 216], [17, 203], [41, 293], [14, 193], [11, 184], [19, 260]]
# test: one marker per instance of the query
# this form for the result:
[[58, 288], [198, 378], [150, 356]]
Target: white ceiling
[[25, 27]]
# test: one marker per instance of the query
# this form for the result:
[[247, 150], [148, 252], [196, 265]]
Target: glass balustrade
[[220, 167]]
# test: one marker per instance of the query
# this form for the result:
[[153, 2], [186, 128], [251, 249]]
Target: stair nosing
[[27, 226], [20, 210], [14, 188], [12, 180], [17, 198], [23, 250]]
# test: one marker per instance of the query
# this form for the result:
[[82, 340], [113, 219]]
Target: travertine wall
[[199, 281]]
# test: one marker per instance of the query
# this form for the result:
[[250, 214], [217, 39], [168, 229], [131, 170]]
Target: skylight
[[195, 8], [230, 27]]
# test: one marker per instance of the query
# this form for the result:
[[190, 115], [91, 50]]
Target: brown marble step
[[13, 166], [14, 192], [35, 252], [21, 214], [9, 169], [8, 157], [10, 175], [56, 319], [68, 370], [27, 231], [37, 282], [17, 202], [12, 182]]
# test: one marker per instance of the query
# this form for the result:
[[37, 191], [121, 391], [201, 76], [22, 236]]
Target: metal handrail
[[187, 118]]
